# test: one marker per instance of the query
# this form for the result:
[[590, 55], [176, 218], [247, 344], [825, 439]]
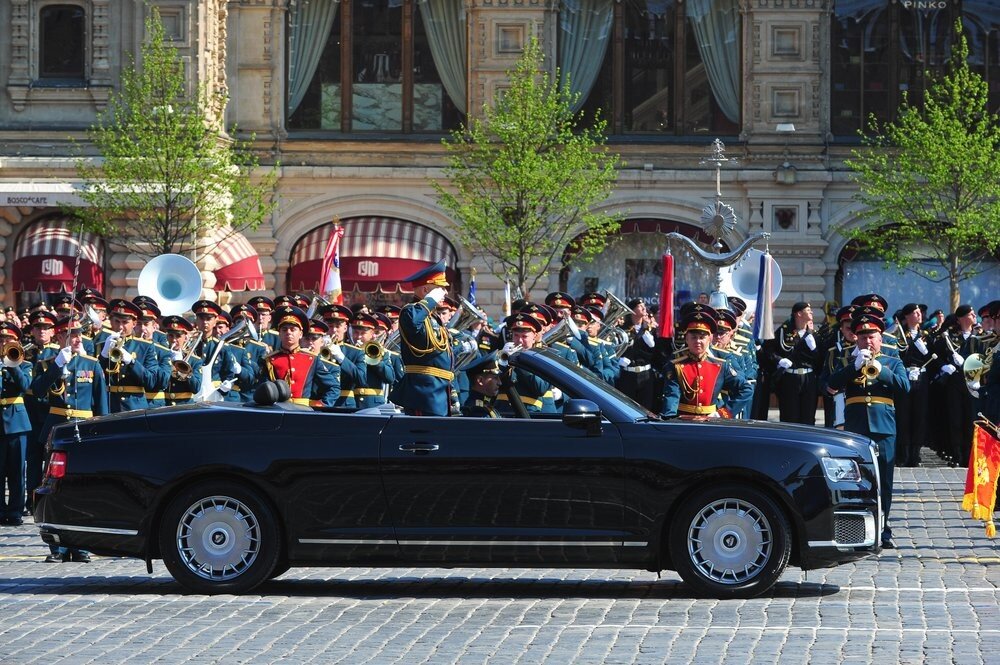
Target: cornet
[[12, 351], [115, 352], [374, 351]]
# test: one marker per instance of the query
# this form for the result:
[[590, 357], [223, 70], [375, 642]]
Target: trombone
[[182, 368]]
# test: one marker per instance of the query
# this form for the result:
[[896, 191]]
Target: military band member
[[42, 347], [92, 299], [264, 306], [525, 332], [871, 383], [426, 349], [837, 346], [953, 345], [694, 380], [637, 379], [337, 318], [226, 368], [311, 380], [563, 304], [15, 380], [248, 351], [606, 351], [368, 388], [912, 407], [129, 362], [724, 349], [484, 386], [149, 319], [794, 363], [876, 302], [185, 367]]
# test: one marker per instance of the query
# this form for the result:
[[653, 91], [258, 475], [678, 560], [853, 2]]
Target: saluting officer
[[425, 346], [870, 383], [311, 380], [185, 382], [15, 379], [128, 361], [484, 386]]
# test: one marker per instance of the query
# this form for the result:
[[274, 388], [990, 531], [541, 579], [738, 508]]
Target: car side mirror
[[583, 414]]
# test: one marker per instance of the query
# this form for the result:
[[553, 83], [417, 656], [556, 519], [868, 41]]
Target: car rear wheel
[[730, 542], [219, 538]]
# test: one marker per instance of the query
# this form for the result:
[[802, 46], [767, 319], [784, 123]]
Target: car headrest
[[271, 392]]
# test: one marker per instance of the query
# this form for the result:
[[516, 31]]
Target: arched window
[[62, 43]]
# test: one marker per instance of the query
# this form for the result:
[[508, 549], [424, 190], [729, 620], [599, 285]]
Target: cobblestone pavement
[[935, 599]]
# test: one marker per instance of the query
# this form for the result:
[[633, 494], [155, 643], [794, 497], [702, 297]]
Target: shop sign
[[368, 269], [52, 267], [925, 4], [31, 200]]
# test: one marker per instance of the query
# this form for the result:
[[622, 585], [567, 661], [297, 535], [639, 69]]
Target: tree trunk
[[954, 292]]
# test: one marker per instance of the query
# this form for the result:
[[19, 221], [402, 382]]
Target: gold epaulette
[[86, 357]]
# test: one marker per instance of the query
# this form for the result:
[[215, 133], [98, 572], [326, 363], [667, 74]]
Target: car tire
[[219, 537], [730, 541]]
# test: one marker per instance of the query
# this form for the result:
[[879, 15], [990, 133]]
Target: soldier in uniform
[[92, 298], [744, 342], [129, 362], [337, 318], [149, 320], [794, 362], [912, 407], [724, 349], [264, 306], [871, 383], [954, 344], [44, 347], [379, 371], [535, 393], [226, 368], [637, 378], [15, 379], [484, 386], [603, 364], [183, 385], [311, 380], [876, 302], [425, 346], [248, 352], [694, 380], [563, 304]]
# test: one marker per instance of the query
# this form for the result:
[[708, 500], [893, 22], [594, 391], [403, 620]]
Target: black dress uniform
[[912, 408], [479, 404], [795, 362]]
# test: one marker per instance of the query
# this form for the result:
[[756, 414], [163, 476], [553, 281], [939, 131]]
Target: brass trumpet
[[115, 352], [374, 352], [12, 351]]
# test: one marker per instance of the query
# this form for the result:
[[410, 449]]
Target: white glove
[[236, 367], [337, 354], [913, 374], [647, 337], [127, 357], [437, 295], [7, 362], [509, 348], [920, 346], [177, 355], [863, 355], [226, 385], [624, 362], [810, 341], [556, 394], [784, 363], [974, 385], [64, 356], [468, 346], [108, 343], [957, 360], [974, 393], [947, 369]]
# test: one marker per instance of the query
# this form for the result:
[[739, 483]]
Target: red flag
[[666, 314], [981, 478], [330, 272]]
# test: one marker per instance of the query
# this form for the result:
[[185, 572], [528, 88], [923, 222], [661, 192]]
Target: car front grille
[[849, 529]]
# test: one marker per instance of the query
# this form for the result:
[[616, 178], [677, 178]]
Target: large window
[[883, 50], [61, 40], [676, 72], [376, 65]]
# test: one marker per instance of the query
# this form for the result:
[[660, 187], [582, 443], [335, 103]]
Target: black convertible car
[[230, 496]]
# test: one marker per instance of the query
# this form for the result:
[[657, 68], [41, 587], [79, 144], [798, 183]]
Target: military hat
[[93, 298], [701, 317], [738, 305], [141, 300], [632, 303], [869, 311], [484, 364], [560, 300], [692, 306], [9, 329], [338, 313], [301, 301], [434, 275], [523, 321], [725, 320], [799, 306], [62, 300], [290, 314], [449, 303], [69, 323], [581, 315], [592, 299], [384, 322], [963, 310], [122, 307], [597, 314], [519, 305], [87, 292], [909, 308], [871, 300], [284, 301], [541, 312], [364, 320], [206, 307], [42, 318], [261, 303], [391, 311], [846, 313], [995, 309], [148, 309], [226, 317], [246, 311], [176, 324], [317, 327], [866, 323]]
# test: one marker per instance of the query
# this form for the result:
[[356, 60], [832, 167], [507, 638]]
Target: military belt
[[159, 395], [367, 392], [430, 371], [7, 401], [127, 389], [71, 413], [800, 370], [868, 400], [697, 410], [176, 396], [637, 369], [347, 393]]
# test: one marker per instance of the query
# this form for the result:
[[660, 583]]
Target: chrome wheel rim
[[218, 538], [730, 541]]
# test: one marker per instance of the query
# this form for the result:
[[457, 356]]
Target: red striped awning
[[45, 257], [376, 254], [239, 265]]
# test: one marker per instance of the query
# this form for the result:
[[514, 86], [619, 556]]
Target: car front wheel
[[730, 542], [219, 538]]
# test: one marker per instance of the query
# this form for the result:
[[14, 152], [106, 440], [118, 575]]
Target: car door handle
[[418, 447]]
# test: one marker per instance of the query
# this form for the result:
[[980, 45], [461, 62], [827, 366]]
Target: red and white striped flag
[[330, 273]]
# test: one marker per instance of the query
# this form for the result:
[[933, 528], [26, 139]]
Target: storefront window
[[881, 51], [376, 65], [677, 73]]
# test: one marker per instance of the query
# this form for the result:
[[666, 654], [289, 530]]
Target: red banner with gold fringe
[[981, 479]]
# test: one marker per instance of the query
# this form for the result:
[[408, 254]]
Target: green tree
[[523, 178], [169, 178], [930, 182]]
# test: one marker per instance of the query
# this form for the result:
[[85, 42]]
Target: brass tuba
[[977, 365], [614, 309], [468, 316]]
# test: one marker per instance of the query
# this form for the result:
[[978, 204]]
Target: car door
[[503, 490]]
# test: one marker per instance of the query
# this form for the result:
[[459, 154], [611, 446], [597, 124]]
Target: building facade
[[352, 99]]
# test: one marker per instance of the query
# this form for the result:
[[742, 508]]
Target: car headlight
[[841, 470]]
